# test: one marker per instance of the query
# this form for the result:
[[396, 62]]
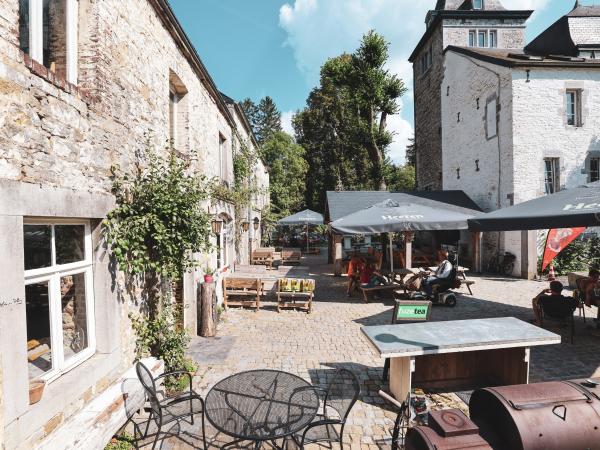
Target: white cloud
[[525, 4], [403, 131], [286, 121]]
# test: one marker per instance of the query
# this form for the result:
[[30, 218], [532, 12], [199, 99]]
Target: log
[[207, 322]]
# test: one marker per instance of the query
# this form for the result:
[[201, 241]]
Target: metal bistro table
[[261, 406]]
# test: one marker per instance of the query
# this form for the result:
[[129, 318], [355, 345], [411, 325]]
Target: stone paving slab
[[314, 345]]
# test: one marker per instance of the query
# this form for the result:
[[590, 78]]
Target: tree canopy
[[264, 118]]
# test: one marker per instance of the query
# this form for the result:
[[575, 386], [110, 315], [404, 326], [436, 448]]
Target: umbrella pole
[[391, 253], [307, 241]]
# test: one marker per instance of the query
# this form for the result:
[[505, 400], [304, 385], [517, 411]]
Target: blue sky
[[254, 48]]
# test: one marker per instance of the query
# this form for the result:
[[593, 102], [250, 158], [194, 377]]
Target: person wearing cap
[[551, 298]]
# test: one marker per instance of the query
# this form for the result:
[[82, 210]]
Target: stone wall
[[59, 142], [427, 88]]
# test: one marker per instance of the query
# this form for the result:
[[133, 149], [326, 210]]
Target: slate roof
[[585, 11], [514, 58], [342, 203]]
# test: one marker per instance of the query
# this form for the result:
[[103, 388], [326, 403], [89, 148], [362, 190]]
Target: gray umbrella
[[390, 216], [578, 207], [306, 218]]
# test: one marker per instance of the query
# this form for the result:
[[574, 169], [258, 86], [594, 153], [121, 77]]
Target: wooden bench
[[291, 256], [264, 257], [468, 283], [392, 287], [245, 291], [295, 300]]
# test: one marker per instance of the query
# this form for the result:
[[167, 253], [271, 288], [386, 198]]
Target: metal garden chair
[[338, 399], [168, 409]]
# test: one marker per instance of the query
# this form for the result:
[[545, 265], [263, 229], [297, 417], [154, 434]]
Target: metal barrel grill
[[557, 415]]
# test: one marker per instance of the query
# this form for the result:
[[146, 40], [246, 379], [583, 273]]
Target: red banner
[[557, 240]]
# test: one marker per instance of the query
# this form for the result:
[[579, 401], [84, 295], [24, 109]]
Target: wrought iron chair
[[561, 312], [339, 398], [167, 409]]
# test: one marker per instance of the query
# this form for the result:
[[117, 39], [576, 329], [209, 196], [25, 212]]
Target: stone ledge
[[94, 426]]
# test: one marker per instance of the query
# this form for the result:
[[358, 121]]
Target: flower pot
[[36, 389], [208, 278]]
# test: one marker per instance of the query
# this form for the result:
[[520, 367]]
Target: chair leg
[[157, 433]]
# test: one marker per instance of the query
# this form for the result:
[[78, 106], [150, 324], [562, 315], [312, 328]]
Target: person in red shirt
[[355, 268]]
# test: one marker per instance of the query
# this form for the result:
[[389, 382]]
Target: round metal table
[[261, 406]]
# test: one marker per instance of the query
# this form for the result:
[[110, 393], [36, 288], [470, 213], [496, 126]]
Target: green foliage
[[343, 127], [264, 118], [400, 178], [411, 152], [123, 442], [159, 220], [288, 173], [582, 254], [164, 337]]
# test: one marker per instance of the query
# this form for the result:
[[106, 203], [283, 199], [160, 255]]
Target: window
[[477, 4], [491, 118], [552, 175], [472, 38], [594, 170], [482, 39], [426, 60], [493, 39], [173, 101], [222, 157], [58, 296], [573, 100], [48, 34]]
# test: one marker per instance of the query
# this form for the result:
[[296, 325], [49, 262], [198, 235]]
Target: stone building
[[84, 86], [518, 124], [474, 23]]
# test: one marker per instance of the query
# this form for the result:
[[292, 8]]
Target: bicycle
[[402, 422], [502, 263]]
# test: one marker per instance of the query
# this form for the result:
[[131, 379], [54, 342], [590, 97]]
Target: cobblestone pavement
[[312, 346]]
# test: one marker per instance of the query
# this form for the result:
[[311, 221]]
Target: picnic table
[[457, 354]]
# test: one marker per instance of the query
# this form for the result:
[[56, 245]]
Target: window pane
[[594, 170], [70, 245], [471, 39], [39, 345], [55, 36], [37, 244], [493, 40], [482, 39], [74, 314], [571, 108], [477, 4], [24, 25]]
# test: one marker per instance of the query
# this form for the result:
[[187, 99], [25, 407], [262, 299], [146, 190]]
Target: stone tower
[[463, 23]]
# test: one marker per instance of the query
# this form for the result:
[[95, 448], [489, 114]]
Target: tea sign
[[412, 311]]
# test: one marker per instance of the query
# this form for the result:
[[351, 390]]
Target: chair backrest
[[252, 284], [582, 284], [343, 392], [147, 380], [557, 307]]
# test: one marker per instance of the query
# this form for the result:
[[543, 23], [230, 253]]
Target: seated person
[[553, 302], [355, 268], [442, 275], [591, 288]]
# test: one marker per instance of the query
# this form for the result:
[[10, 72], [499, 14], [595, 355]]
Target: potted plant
[[209, 275], [36, 389]]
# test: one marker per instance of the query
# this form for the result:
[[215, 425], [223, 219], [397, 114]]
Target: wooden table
[[457, 354]]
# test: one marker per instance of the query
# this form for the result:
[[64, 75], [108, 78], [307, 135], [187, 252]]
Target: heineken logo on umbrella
[[404, 217]]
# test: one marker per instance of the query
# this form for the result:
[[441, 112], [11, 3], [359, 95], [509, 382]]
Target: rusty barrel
[[448, 430], [558, 415]]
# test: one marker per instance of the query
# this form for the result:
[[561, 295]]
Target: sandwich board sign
[[411, 311]]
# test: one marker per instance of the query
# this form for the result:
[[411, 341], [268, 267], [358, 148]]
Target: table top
[[261, 405], [456, 336]]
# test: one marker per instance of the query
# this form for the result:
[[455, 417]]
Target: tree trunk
[[375, 154], [207, 322]]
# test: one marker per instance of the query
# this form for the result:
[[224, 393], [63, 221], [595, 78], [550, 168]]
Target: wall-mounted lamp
[[256, 223], [217, 226]]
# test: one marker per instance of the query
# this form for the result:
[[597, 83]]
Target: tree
[[411, 152], [288, 173], [400, 178], [264, 118]]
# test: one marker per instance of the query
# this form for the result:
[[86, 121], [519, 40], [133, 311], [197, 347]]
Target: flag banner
[[558, 239]]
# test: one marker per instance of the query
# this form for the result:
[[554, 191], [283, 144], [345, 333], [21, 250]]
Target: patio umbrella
[[306, 218], [578, 207], [391, 216]]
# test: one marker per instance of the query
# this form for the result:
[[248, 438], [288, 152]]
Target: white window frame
[[577, 119], [36, 35], [483, 33], [472, 38], [52, 276], [555, 173], [493, 36], [173, 116]]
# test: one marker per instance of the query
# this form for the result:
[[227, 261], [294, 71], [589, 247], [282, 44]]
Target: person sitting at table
[[552, 299], [355, 267], [591, 288], [442, 275]]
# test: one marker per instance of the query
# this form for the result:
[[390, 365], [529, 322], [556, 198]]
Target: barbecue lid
[[538, 395], [452, 422]]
